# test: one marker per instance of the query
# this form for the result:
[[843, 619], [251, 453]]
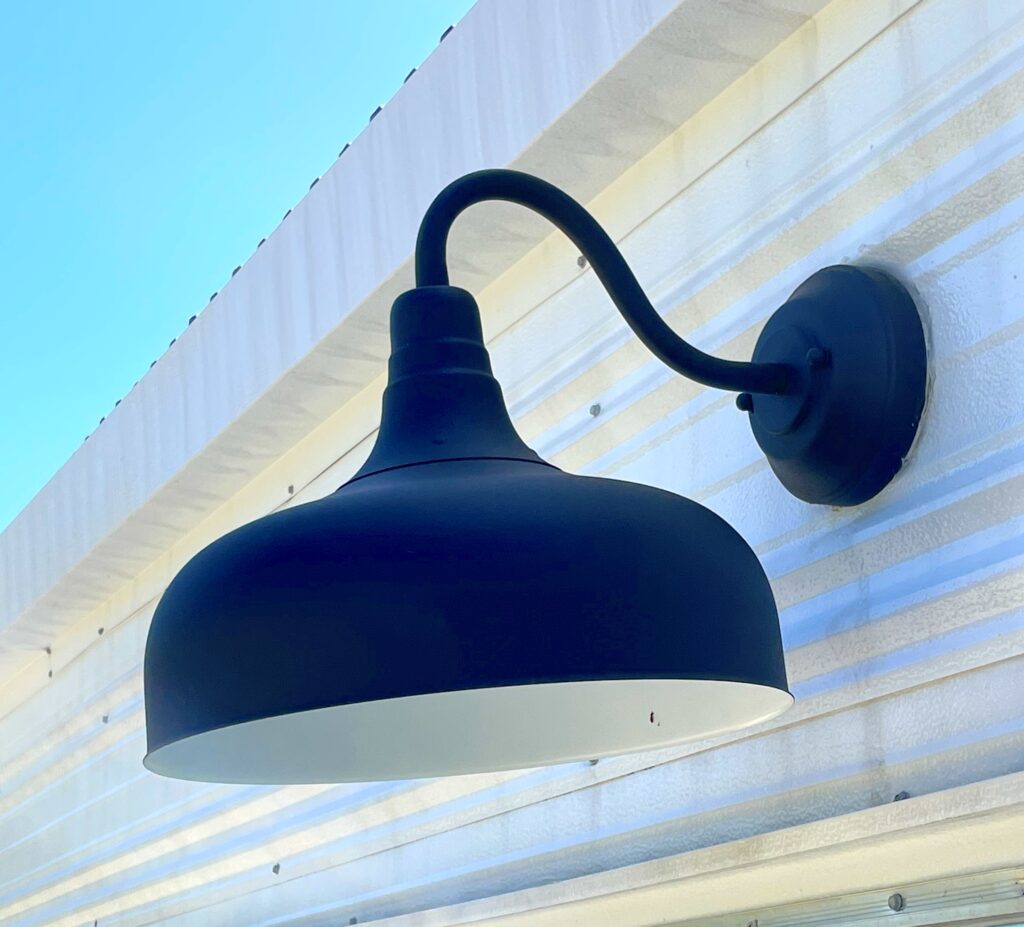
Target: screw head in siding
[[901, 796], [277, 868], [99, 631], [581, 262], [595, 409], [897, 902], [291, 490]]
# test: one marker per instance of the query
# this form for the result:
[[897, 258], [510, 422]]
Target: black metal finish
[[610, 266], [460, 575], [855, 338]]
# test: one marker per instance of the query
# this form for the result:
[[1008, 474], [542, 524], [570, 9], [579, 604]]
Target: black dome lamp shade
[[461, 605]]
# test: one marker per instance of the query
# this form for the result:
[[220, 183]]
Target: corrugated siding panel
[[903, 619]]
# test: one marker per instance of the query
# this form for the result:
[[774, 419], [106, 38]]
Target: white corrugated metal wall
[[889, 133]]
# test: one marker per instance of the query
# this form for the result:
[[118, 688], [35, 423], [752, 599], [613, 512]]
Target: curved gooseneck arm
[[611, 268]]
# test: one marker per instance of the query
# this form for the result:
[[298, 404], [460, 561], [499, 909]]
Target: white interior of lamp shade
[[477, 730]]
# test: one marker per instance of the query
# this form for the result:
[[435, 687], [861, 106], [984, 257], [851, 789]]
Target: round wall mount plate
[[854, 342]]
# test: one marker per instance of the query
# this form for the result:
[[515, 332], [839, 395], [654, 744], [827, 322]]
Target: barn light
[[461, 605]]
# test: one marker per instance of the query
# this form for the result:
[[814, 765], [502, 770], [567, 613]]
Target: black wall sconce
[[461, 605]]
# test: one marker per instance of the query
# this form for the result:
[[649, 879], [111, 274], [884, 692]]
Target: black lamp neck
[[610, 266]]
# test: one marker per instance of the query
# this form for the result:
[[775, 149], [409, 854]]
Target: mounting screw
[[901, 796], [581, 262], [291, 490], [897, 902], [817, 359], [106, 719], [99, 631], [595, 409], [745, 402], [277, 868]]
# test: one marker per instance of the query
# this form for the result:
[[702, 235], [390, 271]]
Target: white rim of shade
[[469, 731]]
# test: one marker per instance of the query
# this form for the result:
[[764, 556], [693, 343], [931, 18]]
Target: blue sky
[[144, 151]]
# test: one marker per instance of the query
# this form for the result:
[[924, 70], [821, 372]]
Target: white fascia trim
[[951, 834]]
